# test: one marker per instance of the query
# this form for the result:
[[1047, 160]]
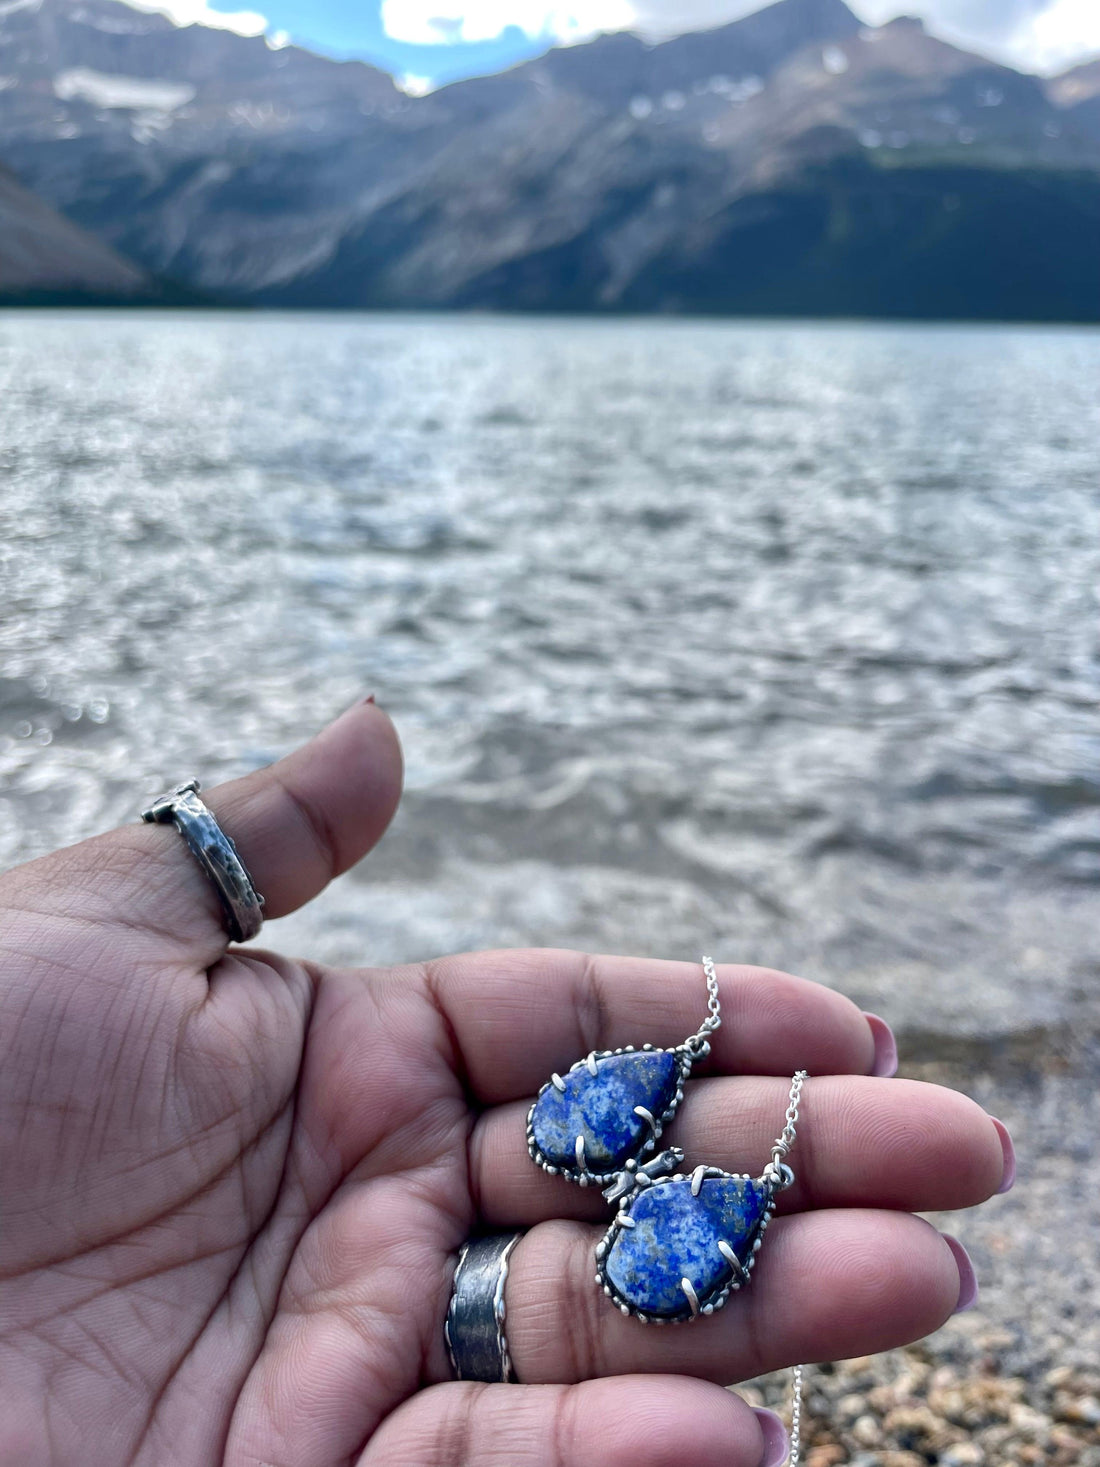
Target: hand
[[232, 1185]]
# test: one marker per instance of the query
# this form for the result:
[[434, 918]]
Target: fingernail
[[886, 1047], [1009, 1175], [968, 1280], [777, 1444], [368, 699]]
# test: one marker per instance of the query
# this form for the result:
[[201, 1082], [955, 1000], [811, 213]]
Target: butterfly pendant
[[680, 1243]]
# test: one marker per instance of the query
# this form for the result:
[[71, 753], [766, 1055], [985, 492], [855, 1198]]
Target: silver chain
[[697, 1045], [783, 1143], [796, 1417], [785, 1140]]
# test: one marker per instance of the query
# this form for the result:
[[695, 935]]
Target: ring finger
[[827, 1285]]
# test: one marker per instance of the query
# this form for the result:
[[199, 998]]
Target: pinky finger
[[625, 1421]]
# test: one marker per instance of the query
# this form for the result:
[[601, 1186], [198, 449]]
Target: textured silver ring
[[475, 1319], [215, 853]]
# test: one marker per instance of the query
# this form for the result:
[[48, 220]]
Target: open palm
[[233, 1186]]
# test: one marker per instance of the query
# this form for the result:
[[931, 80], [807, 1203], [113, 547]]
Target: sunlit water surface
[[774, 640]]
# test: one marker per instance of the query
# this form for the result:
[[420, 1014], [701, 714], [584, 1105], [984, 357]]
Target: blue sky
[[355, 28], [440, 40]]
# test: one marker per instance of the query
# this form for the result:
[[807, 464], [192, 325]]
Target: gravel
[[1017, 1379]]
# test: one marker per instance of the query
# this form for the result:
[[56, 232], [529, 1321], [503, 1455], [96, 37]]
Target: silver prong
[[697, 1180], [578, 1150], [557, 1082], [624, 1220], [647, 1116], [590, 1061], [732, 1259], [691, 1295]]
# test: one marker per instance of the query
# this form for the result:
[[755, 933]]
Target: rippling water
[[779, 640]]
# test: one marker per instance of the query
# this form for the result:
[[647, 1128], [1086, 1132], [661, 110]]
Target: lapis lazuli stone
[[600, 1108], [676, 1235]]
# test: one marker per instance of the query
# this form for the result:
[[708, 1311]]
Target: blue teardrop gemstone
[[676, 1235], [600, 1108]]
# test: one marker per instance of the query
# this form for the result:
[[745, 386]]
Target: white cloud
[[995, 20], [1061, 36], [660, 18], [1032, 34], [446, 22], [415, 86], [197, 12]]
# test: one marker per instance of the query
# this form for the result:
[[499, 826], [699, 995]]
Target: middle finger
[[862, 1142]]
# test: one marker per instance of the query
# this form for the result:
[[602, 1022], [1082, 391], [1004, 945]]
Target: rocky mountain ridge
[[795, 160], [45, 258]]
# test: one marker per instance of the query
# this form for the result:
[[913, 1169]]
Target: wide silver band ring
[[215, 853], [475, 1318]]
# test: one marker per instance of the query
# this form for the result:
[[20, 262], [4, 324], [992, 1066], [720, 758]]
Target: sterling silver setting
[[474, 1329], [582, 1174], [215, 853], [740, 1272]]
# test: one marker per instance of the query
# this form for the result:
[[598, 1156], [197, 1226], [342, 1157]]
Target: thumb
[[296, 825]]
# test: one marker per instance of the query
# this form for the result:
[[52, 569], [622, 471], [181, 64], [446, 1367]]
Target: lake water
[[780, 641]]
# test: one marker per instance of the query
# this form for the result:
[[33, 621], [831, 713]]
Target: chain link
[[796, 1417], [697, 1045], [785, 1140], [783, 1143]]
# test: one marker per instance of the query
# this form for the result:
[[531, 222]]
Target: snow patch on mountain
[[129, 92]]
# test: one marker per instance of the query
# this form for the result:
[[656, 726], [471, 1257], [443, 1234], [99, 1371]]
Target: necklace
[[680, 1243]]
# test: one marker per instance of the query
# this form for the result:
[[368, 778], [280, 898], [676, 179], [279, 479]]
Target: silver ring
[[475, 1318], [215, 853]]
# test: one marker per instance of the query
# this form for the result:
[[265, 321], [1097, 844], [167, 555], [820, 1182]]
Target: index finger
[[517, 1016]]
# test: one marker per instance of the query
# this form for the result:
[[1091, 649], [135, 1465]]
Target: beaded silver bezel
[[586, 1177], [717, 1298]]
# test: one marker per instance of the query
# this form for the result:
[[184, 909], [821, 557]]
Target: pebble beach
[[1014, 1382]]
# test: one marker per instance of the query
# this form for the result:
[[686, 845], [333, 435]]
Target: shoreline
[[1015, 1382]]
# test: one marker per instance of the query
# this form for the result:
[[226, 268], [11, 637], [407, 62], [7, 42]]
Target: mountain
[[856, 176], [178, 144], [1078, 93], [793, 161], [46, 259]]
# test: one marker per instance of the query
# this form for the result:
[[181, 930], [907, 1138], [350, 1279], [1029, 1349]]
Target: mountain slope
[[44, 257], [793, 160], [1078, 92], [181, 145], [565, 200]]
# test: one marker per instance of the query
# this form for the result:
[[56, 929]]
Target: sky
[[431, 41]]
